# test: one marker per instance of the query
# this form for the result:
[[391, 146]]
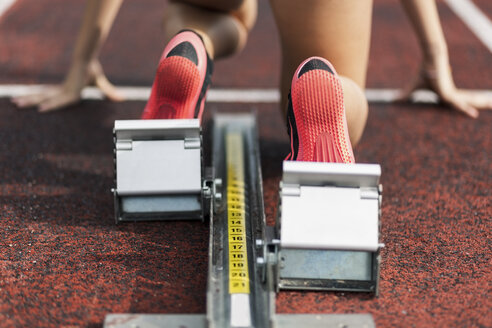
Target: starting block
[[158, 170], [326, 237], [328, 224]]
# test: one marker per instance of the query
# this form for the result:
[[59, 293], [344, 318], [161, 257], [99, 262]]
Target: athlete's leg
[[338, 30], [223, 24]]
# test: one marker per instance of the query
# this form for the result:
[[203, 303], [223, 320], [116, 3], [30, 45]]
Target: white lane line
[[5, 5], [222, 95], [474, 18]]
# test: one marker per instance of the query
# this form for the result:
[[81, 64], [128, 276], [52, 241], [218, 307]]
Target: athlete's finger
[[479, 100], [58, 102], [463, 107], [32, 99], [108, 89]]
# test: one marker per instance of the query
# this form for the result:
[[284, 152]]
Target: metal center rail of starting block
[[326, 237]]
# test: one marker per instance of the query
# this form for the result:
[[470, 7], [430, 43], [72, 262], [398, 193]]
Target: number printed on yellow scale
[[236, 216]]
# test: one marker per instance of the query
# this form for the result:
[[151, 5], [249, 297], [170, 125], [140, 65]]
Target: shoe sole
[[178, 90], [318, 106]]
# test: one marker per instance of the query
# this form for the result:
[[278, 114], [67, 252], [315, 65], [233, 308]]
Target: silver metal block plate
[[337, 174], [158, 167], [161, 204], [330, 206], [325, 264], [200, 321], [155, 321], [158, 170], [156, 129], [156, 157]]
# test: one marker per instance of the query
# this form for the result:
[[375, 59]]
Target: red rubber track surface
[[63, 262]]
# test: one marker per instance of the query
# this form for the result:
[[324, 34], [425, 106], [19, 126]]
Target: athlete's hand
[[60, 96], [436, 76]]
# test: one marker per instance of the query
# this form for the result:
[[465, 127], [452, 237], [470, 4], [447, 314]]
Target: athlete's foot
[[181, 81], [316, 115]]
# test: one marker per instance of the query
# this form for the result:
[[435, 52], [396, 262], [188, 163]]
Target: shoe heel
[[325, 151]]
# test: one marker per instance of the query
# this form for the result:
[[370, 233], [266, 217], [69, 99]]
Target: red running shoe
[[181, 81], [316, 119]]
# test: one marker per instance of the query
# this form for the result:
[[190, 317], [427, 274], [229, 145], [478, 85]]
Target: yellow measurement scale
[[236, 215]]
